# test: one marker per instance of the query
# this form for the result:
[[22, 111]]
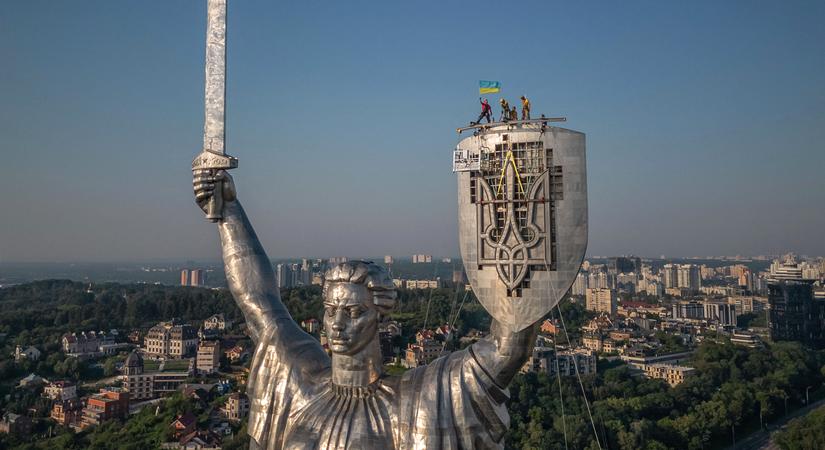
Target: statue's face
[[350, 318]]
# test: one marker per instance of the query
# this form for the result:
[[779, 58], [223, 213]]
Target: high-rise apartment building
[[685, 276], [306, 272], [197, 277], [600, 280], [601, 300], [625, 264], [282, 274], [581, 284], [689, 277], [670, 276], [422, 258], [184, 277], [795, 315]]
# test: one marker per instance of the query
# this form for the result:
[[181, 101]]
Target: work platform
[[540, 122]]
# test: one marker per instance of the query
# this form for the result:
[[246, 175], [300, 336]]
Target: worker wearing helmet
[[505, 110], [525, 108]]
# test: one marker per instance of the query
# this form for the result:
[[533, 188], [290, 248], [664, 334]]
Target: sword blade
[[214, 128]]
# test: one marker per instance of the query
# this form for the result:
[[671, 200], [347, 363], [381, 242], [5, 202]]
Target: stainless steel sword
[[214, 157]]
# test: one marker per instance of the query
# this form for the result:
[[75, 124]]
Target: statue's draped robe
[[449, 404]]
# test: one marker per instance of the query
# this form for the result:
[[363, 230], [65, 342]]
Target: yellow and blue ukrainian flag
[[489, 87]]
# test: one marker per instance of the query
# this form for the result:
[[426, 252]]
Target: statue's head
[[356, 295]]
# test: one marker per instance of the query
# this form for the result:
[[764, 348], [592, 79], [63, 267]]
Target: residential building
[[459, 278], [722, 313], [748, 304], [196, 440], [161, 378], [600, 280], [66, 412], [109, 403], [30, 353], [311, 326], [650, 287], [692, 310], [60, 390], [236, 353], [183, 424], [625, 264], [32, 381], [745, 339], [581, 284], [424, 351], [563, 362], [579, 359], [674, 375], [640, 362], [670, 276], [184, 277], [420, 284], [548, 327], [283, 275], [15, 424], [610, 345], [542, 360], [236, 407], [593, 341], [172, 339], [683, 276], [217, 322], [89, 343], [306, 272], [601, 300], [197, 277], [421, 258], [209, 357], [795, 315]]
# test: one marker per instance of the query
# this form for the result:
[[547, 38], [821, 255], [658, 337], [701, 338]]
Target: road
[[761, 440]]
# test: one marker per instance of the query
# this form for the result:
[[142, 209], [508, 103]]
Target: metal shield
[[522, 217]]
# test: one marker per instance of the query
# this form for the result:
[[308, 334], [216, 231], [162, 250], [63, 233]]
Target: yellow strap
[[509, 158]]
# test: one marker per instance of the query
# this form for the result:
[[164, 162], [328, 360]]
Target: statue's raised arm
[[248, 270]]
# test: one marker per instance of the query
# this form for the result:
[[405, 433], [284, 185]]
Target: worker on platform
[[505, 110], [486, 111], [525, 108], [513, 114]]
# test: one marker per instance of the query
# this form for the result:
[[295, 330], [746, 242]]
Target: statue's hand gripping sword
[[214, 157]]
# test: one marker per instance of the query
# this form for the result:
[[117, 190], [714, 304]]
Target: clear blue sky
[[705, 122]]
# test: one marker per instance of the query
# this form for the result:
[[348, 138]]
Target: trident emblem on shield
[[522, 197]]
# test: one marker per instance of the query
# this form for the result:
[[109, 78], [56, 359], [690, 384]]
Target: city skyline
[[702, 123]]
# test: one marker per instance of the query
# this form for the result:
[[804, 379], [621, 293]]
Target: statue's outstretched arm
[[505, 351], [248, 270]]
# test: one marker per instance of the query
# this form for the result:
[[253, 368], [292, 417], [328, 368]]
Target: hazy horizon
[[703, 122]]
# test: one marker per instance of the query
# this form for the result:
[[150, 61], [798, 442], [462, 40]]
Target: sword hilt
[[214, 208], [214, 161]]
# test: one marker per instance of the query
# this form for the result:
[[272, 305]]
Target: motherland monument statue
[[523, 232]]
